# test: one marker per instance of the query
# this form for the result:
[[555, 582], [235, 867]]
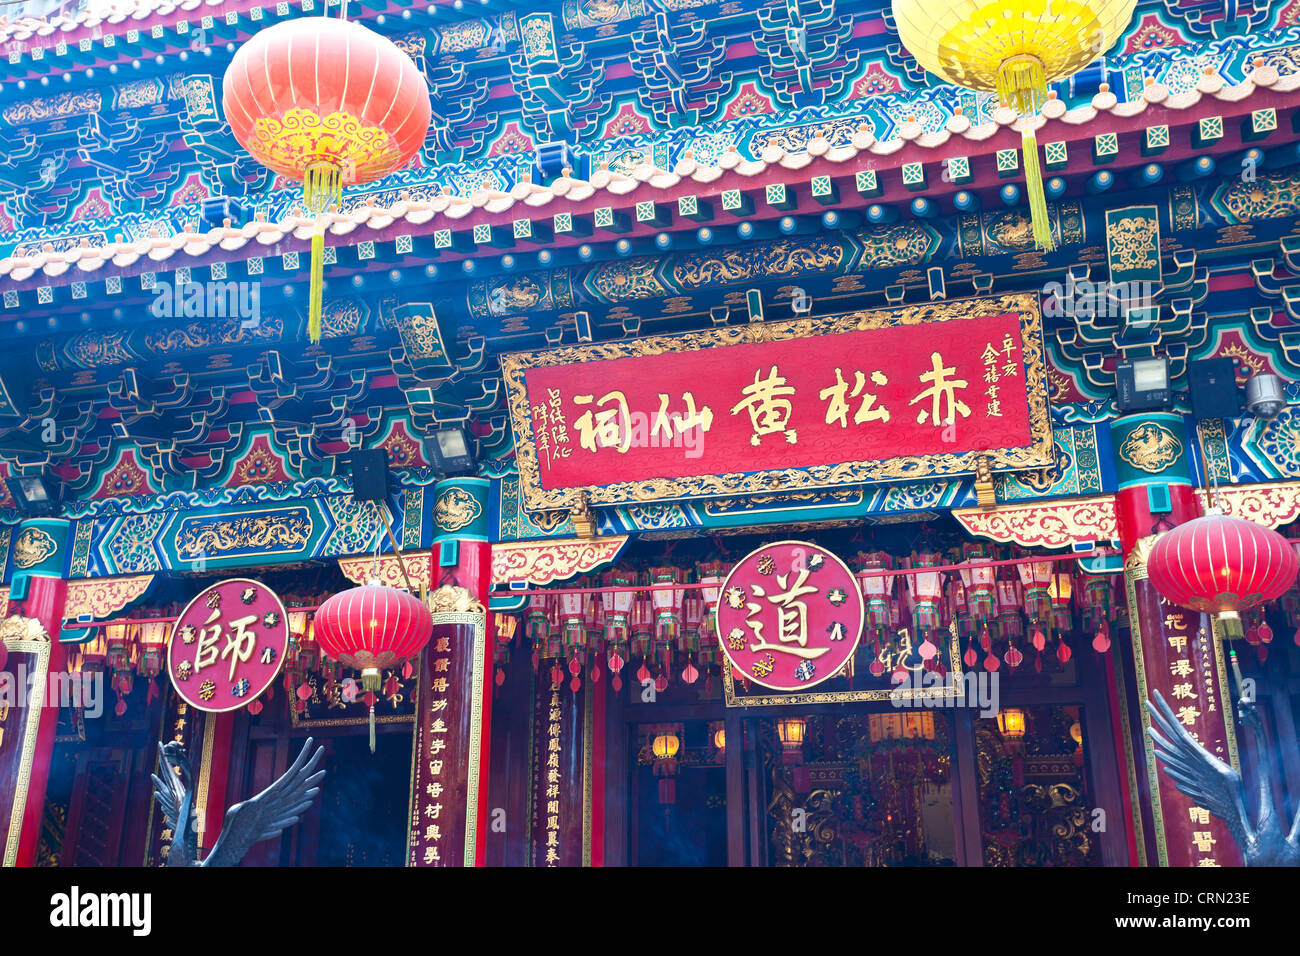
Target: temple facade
[[779, 497]]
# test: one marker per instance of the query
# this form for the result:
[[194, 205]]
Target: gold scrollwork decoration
[[539, 563], [1052, 525]]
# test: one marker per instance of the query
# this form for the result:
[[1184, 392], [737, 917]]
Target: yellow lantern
[[1011, 723], [665, 746], [1014, 48]]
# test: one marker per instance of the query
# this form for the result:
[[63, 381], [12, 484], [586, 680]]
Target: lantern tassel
[[317, 281], [1230, 621], [322, 188], [1037, 198], [372, 728], [1022, 83]]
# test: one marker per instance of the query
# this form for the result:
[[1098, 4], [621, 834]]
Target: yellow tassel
[[322, 187], [1037, 200], [1023, 84], [317, 280]]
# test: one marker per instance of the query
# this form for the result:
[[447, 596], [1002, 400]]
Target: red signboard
[[916, 392], [790, 615], [228, 645]]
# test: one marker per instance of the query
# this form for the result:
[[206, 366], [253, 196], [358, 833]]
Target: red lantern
[[329, 103], [370, 628], [1222, 566]]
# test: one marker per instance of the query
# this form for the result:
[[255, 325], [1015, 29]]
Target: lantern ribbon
[[322, 187], [1034, 187]]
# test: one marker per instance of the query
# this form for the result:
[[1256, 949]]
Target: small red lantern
[[370, 628], [1222, 566]]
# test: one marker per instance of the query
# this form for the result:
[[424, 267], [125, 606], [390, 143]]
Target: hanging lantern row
[[1003, 615]]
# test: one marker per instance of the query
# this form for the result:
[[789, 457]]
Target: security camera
[[1264, 395]]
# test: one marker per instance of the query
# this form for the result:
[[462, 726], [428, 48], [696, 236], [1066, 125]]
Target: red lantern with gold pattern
[[370, 628], [1222, 566], [328, 103]]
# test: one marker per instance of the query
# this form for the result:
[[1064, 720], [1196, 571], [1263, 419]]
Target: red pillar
[[41, 551], [1175, 650], [453, 719]]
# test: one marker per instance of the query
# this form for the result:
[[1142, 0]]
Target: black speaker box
[[369, 474], [1212, 387]]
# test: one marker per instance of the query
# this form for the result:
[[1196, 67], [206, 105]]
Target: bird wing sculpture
[[274, 809], [1218, 788], [175, 796], [1197, 773], [279, 806]]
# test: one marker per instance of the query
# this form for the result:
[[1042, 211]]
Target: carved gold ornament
[[1269, 505], [1038, 453], [17, 628], [456, 508], [451, 599], [1151, 448], [541, 562], [1054, 525], [103, 597], [32, 547]]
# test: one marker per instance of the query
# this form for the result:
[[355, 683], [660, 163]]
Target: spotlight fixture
[[1142, 384], [34, 495], [1264, 395], [452, 448]]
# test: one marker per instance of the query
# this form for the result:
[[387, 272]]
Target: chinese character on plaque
[[790, 616], [228, 645]]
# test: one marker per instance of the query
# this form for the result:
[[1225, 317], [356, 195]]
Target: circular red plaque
[[228, 645], [790, 615]]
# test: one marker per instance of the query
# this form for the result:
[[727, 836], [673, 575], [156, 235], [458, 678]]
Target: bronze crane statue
[[259, 818], [1214, 785]]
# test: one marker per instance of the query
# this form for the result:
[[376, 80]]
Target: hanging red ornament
[[500, 677], [689, 674], [1265, 633], [255, 708], [1101, 641], [370, 628], [1063, 651], [991, 662], [1039, 639], [970, 657], [1222, 566], [1013, 657]]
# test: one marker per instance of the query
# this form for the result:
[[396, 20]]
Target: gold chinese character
[[838, 407], [942, 391], [768, 407], [703, 419], [239, 646], [792, 616], [612, 426], [1188, 715], [1199, 815], [1181, 668], [1204, 840]]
